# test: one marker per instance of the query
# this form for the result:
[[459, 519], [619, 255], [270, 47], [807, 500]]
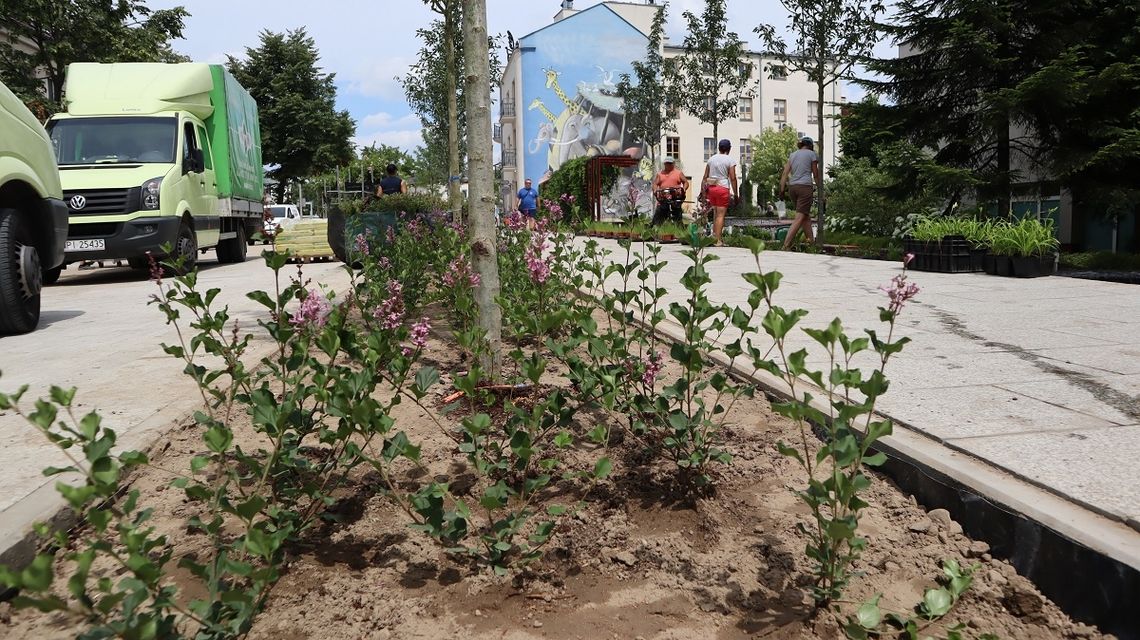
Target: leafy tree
[[828, 38], [60, 32], [432, 92], [865, 125], [710, 77], [645, 101], [770, 151], [482, 226], [302, 133]]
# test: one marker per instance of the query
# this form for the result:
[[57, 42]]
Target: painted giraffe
[[552, 84], [537, 104]]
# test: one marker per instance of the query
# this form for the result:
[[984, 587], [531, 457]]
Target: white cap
[[667, 160]]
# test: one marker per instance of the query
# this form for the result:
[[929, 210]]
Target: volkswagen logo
[[78, 202]]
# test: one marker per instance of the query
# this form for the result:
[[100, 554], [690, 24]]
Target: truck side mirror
[[199, 161]]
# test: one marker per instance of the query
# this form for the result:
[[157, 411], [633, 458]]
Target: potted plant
[[1034, 248], [669, 232], [374, 216]]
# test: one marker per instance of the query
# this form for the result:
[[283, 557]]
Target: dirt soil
[[636, 562]]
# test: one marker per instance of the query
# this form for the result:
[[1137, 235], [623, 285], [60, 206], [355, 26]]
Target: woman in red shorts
[[720, 174]]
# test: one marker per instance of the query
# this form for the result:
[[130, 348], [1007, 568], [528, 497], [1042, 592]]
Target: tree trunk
[[454, 196], [1003, 181], [821, 205], [481, 182]]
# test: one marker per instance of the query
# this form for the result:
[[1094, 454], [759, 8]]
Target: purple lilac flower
[[390, 235], [390, 312], [536, 262], [899, 292], [907, 260], [360, 244], [654, 363], [515, 221], [460, 272], [384, 263], [314, 311], [420, 333]]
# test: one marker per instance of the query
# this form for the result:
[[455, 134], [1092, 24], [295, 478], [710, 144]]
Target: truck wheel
[[235, 249], [51, 276], [186, 248], [21, 275]]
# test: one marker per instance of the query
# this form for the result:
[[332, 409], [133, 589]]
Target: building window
[[779, 72], [745, 108], [745, 69], [746, 152], [813, 112], [710, 104], [780, 110], [671, 110], [673, 146], [710, 148]]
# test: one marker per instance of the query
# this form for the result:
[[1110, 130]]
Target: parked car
[[280, 216], [33, 216]]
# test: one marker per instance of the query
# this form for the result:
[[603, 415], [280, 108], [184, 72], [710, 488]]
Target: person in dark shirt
[[391, 183]]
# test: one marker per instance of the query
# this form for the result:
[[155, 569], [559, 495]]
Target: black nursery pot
[[1003, 266], [1026, 266]]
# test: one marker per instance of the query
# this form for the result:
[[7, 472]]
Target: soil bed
[[638, 561]]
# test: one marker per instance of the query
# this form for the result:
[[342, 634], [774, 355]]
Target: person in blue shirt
[[528, 203]]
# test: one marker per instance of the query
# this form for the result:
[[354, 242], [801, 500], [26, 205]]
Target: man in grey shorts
[[803, 170]]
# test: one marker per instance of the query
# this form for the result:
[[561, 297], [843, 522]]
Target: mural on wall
[[570, 74]]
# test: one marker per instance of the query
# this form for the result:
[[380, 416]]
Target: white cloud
[[406, 139], [384, 121], [379, 78]]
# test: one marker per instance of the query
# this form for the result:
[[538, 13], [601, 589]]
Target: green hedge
[[570, 178]]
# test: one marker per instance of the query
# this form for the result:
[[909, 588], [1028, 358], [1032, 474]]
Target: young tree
[[708, 79], [770, 151], [60, 32], [645, 101], [432, 77], [302, 133], [481, 182], [828, 38]]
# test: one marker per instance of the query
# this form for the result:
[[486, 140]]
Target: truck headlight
[[150, 193]]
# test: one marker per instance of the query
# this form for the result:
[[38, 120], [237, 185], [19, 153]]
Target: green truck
[[33, 217], [158, 155]]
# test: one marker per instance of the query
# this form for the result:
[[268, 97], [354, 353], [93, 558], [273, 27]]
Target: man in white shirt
[[720, 174]]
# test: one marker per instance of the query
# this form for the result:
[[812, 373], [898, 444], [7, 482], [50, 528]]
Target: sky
[[368, 44]]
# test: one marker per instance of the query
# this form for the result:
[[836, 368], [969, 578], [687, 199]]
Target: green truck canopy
[[206, 90]]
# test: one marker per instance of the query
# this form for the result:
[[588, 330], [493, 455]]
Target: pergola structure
[[594, 179]]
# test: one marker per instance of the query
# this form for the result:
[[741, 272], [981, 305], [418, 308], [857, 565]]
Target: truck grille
[[101, 202], [92, 230]]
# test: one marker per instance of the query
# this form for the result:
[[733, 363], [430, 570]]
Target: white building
[[556, 98]]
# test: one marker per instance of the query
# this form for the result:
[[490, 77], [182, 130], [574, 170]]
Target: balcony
[[509, 158], [497, 132], [507, 110]]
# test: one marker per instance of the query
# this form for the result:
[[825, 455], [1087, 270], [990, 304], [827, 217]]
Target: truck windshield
[[279, 212], [113, 140]]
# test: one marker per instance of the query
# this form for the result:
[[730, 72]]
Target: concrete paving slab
[[1118, 359], [1086, 466], [981, 411], [1089, 401]]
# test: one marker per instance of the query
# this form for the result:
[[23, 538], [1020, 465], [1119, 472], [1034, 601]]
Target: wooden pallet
[[311, 259]]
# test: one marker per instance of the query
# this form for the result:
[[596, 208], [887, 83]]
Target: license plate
[[85, 245]]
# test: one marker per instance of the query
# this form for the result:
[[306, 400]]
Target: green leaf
[[869, 615], [603, 468], [218, 438], [936, 603], [789, 452], [62, 397]]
